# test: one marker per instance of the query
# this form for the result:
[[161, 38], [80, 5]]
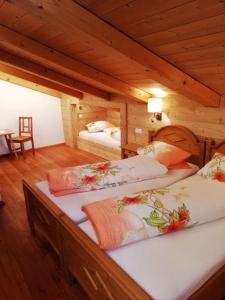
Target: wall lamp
[[155, 106]]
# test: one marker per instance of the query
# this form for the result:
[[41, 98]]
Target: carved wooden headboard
[[211, 148], [183, 138]]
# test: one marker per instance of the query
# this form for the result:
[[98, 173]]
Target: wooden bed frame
[[184, 138], [212, 148], [85, 113], [82, 259], [98, 149]]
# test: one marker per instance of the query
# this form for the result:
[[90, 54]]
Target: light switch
[[138, 130]]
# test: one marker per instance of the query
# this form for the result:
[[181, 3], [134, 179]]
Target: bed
[[99, 143], [100, 138], [169, 255], [71, 204], [56, 223], [170, 269], [105, 275]]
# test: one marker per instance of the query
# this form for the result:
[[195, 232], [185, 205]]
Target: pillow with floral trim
[[215, 168], [111, 130], [98, 126], [165, 153], [114, 132]]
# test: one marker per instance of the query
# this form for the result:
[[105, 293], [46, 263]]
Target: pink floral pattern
[[89, 179], [164, 219], [102, 175], [215, 169], [99, 173], [219, 175], [154, 212]]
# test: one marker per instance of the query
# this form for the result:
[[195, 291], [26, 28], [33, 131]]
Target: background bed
[[86, 113], [99, 143]]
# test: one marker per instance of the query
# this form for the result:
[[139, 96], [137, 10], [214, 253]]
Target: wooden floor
[[27, 269]]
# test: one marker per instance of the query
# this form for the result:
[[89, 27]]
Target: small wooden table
[[130, 150], [7, 133]]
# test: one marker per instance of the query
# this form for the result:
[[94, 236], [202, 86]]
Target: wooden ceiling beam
[[69, 84], [25, 47], [35, 80], [28, 48], [73, 16]]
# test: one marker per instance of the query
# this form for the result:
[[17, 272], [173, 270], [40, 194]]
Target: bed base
[[43, 216], [97, 149], [82, 259]]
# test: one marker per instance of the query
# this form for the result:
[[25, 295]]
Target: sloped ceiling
[[187, 34]]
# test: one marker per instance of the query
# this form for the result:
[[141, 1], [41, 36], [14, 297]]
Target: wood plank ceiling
[[189, 34]]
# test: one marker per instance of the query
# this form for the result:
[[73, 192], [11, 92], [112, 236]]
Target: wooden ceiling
[[108, 47], [188, 34]]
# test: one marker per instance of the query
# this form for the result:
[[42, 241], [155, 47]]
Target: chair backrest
[[25, 126]]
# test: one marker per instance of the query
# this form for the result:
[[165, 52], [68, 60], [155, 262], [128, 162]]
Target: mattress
[[71, 204], [100, 138], [175, 265]]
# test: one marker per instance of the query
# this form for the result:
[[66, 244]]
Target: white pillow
[[117, 135], [214, 169], [114, 132], [145, 167], [98, 126]]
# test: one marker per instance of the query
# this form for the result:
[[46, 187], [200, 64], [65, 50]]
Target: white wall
[[18, 101]]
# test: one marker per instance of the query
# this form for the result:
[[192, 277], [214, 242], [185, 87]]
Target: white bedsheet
[[71, 204], [100, 138], [175, 265]]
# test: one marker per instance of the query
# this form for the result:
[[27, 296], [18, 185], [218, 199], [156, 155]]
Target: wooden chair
[[25, 134]]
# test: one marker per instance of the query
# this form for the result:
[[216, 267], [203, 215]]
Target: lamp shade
[[154, 105]]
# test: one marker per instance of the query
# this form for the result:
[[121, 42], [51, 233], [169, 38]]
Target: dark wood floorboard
[[28, 270]]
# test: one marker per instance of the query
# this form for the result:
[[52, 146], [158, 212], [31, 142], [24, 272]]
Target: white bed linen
[[175, 265], [71, 204], [100, 138]]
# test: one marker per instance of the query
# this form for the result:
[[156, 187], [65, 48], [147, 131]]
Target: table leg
[[11, 146]]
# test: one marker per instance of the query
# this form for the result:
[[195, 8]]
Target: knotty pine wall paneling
[[76, 113], [203, 121]]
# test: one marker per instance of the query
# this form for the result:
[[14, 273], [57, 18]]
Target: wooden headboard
[[183, 138], [211, 148]]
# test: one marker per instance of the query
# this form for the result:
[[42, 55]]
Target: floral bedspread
[[103, 175], [192, 201]]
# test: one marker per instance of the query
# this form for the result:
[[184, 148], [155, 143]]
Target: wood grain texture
[[109, 50], [153, 66], [77, 113], [212, 147], [95, 148], [183, 138], [30, 81], [50, 75], [27, 268], [203, 121], [30, 49], [184, 33]]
